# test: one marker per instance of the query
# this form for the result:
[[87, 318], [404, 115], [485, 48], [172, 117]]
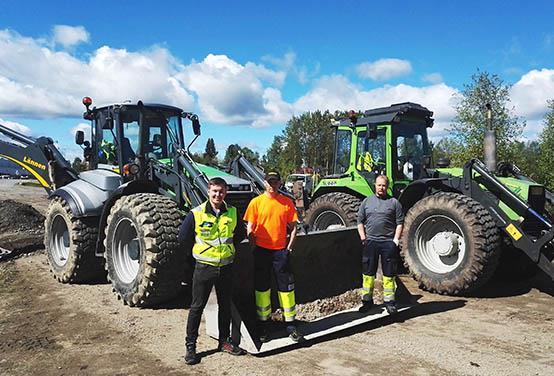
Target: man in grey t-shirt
[[380, 220]]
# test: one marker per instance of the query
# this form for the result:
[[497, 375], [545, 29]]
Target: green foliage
[[211, 152], [306, 141], [469, 125], [234, 150], [546, 149]]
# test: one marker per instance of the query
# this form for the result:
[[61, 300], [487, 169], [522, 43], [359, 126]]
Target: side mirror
[[195, 125], [108, 123], [371, 132], [79, 137]]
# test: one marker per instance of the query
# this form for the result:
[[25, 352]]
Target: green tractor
[[458, 220]]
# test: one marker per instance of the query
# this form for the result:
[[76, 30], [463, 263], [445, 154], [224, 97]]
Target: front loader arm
[[39, 156]]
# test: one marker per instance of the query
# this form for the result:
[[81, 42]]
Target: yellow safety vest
[[365, 162], [213, 243]]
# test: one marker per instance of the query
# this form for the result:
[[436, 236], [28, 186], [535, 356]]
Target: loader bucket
[[325, 264]]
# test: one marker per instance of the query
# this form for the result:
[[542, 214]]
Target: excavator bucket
[[325, 264]]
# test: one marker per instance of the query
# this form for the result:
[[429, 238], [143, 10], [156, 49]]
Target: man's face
[[272, 185], [381, 187], [216, 194]]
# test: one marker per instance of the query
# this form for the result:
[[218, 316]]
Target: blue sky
[[246, 67]]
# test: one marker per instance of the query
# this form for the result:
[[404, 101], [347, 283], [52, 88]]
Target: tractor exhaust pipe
[[490, 142]]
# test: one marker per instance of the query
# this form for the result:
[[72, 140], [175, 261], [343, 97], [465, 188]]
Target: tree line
[[308, 139]]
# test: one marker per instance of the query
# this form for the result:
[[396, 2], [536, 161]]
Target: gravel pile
[[328, 306], [21, 228]]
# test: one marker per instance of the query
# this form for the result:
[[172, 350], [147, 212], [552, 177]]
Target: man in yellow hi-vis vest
[[212, 229]]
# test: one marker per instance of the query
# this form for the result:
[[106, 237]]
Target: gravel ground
[[49, 328]]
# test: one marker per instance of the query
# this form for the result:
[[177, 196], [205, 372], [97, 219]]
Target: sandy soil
[[48, 328]]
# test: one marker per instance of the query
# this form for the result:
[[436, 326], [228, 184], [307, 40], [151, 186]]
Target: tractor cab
[[391, 141], [126, 135]]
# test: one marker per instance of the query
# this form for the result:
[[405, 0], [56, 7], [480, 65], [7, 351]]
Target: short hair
[[220, 182], [384, 177]]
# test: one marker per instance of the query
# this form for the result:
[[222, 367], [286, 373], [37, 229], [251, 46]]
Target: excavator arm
[[39, 156]]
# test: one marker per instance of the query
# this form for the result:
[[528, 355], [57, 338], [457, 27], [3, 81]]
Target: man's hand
[[364, 242], [396, 241]]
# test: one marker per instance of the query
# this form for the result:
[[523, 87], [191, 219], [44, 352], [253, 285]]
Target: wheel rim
[[126, 250], [440, 244], [327, 220], [59, 240]]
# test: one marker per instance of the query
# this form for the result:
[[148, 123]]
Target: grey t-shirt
[[380, 217]]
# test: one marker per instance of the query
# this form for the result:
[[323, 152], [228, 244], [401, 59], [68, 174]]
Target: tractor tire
[[450, 244], [143, 259], [333, 210], [70, 245]]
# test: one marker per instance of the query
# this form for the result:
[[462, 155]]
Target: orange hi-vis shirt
[[270, 216]]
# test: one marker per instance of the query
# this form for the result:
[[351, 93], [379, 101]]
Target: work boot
[[230, 348], [366, 306], [391, 308], [294, 334], [190, 355]]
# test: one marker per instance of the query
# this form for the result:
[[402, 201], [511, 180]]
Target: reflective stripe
[[288, 304], [264, 309], [389, 287], [213, 243], [222, 262], [292, 309], [263, 304]]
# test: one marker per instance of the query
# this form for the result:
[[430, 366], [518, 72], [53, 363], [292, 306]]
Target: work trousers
[[390, 256], [204, 278], [266, 260]]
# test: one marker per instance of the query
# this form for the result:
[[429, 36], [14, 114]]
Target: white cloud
[[69, 36], [338, 93], [530, 94], [432, 78], [231, 93], [39, 82], [384, 69], [16, 127]]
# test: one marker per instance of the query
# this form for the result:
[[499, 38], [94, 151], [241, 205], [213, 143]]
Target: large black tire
[[451, 244], [143, 259], [70, 245], [333, 210]]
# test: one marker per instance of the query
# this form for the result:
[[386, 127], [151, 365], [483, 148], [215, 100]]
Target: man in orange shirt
[[269, 217]]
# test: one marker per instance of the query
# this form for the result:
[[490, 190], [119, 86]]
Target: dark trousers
[[389, 253], [204, 278], [266, 260]]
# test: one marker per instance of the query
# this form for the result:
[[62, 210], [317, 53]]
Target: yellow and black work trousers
[[266, 260], [390, 256]]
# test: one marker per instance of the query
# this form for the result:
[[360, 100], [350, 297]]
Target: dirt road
[[48, 328]]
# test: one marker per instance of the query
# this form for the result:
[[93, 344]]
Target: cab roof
[[396, 113]]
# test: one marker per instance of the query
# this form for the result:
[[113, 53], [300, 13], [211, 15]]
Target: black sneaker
[[366, 306], [295, 335], [391, 308], [190, 355], [230, 348]]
